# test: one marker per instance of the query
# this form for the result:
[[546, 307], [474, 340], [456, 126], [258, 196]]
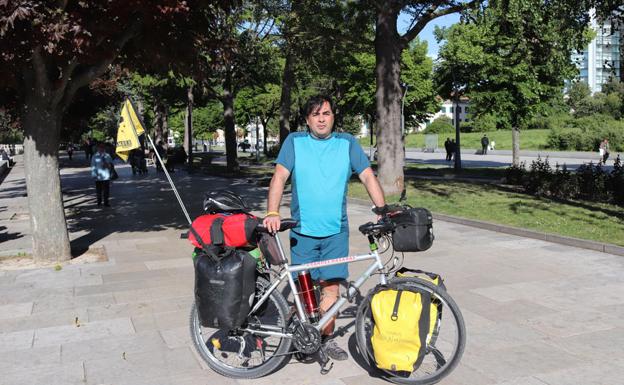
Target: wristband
[[272, 214]]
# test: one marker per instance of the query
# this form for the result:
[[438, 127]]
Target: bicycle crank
[[306, 338]]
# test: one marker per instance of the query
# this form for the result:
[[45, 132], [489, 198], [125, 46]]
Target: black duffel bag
[[225, 284], [413, 229]]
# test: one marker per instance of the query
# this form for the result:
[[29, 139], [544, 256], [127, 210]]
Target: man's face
[[321, 121]]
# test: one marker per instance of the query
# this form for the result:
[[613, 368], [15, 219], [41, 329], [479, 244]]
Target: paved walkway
[[536, 313]]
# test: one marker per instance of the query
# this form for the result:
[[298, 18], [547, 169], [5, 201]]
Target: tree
[[48, 51], [577, 93], [389, 46], [513, 56], [244, 60], [260, 103]]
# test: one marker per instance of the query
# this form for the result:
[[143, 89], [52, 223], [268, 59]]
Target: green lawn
[[496, 204], [529, 139]]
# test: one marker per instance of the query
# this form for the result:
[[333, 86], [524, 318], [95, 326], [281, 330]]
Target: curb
[[560, 239]]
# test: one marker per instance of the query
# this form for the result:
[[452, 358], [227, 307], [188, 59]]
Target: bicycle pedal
[[325, 369]]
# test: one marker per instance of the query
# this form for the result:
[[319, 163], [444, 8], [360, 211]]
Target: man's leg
[[98, 191], [335, 246], [106, 191]]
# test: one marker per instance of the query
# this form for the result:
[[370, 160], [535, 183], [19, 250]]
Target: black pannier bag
[[414, 229], [269, 249], [224, 288]]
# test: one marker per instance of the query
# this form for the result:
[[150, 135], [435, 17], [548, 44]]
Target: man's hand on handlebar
[[272, 223]]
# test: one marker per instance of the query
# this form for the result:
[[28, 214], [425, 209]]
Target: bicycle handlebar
[[382, 226]]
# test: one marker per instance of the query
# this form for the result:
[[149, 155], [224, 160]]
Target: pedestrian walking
[[484, 144], [101, 171], [447, 147], [604, 151]]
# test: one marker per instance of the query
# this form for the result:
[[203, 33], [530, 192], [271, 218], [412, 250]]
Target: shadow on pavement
[[142, 203]]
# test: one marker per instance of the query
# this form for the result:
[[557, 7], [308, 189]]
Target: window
[[459, 109], [466, 109], [443, 110], [452, 108], [452, 121]]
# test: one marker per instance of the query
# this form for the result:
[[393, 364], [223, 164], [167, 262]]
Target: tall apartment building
[[601, 60]]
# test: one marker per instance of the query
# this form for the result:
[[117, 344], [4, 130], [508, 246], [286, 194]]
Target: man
[[321, 163], [484, 144], [101, 164], [447, 147]]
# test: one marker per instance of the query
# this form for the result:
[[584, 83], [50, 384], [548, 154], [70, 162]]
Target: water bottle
[[307, 294]]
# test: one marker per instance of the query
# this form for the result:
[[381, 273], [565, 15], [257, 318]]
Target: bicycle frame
[[287, 274]]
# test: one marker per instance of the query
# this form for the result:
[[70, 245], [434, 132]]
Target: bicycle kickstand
[[325, 362]]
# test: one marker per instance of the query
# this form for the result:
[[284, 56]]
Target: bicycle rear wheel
[[242, 354], [444, 348]]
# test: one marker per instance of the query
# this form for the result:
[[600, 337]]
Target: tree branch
[[65, 77], [431, 14], [88, 74]]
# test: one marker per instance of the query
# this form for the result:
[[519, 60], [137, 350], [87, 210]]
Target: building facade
[[601, 60]]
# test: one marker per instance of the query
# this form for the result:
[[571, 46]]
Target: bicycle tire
[[261, 370], [450, 310]]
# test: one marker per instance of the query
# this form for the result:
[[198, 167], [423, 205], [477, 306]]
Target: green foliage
[[103, 125], [206, 120], [416, 70], [351, 124], [577, 93], [484, 123], [590, 182], [496, 59], [440, 125], [585, 134]]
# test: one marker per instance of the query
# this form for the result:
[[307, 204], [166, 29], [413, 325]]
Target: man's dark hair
[[315, 102]]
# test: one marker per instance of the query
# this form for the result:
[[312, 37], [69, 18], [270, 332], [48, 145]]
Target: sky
[[427, 33]]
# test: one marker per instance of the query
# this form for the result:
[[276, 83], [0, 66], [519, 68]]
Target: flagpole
[[175, 191]]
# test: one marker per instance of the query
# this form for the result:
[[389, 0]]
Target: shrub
[[515, 174], [466, 127], [485, 123], [539, 177], [592, 182], [563, 184], [616, 182], [440, 125]]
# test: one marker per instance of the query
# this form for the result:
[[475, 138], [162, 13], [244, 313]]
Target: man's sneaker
[[334, 351]]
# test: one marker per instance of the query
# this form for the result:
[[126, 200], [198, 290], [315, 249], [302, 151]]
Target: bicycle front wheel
[[445, 345], [244, 354]]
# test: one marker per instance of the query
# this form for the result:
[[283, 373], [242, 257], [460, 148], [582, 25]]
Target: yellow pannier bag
[[405, 319]]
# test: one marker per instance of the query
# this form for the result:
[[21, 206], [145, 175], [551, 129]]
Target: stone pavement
[[536, 313]]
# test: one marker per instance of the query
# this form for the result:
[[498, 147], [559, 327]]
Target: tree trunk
[[230, 125], [159, 132], [43, 181], [288, 82], [265, 133], [391, 155], [188, 126], [515, 143]]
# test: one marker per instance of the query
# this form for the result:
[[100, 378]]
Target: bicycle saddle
[[285, 224]]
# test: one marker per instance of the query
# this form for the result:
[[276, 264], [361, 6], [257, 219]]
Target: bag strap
[[424, 323], [209, 252], [418, 271], [395, 310], [216, 231]]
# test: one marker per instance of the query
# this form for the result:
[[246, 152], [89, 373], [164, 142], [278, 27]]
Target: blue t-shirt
[[320, 171]]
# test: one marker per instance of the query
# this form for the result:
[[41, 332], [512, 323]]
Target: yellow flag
[[130, 128]]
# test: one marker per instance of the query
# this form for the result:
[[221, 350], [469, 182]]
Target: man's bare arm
[[373, 187], [276, 190]]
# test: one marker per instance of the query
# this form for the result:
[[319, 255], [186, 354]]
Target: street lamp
[[455, 91]]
